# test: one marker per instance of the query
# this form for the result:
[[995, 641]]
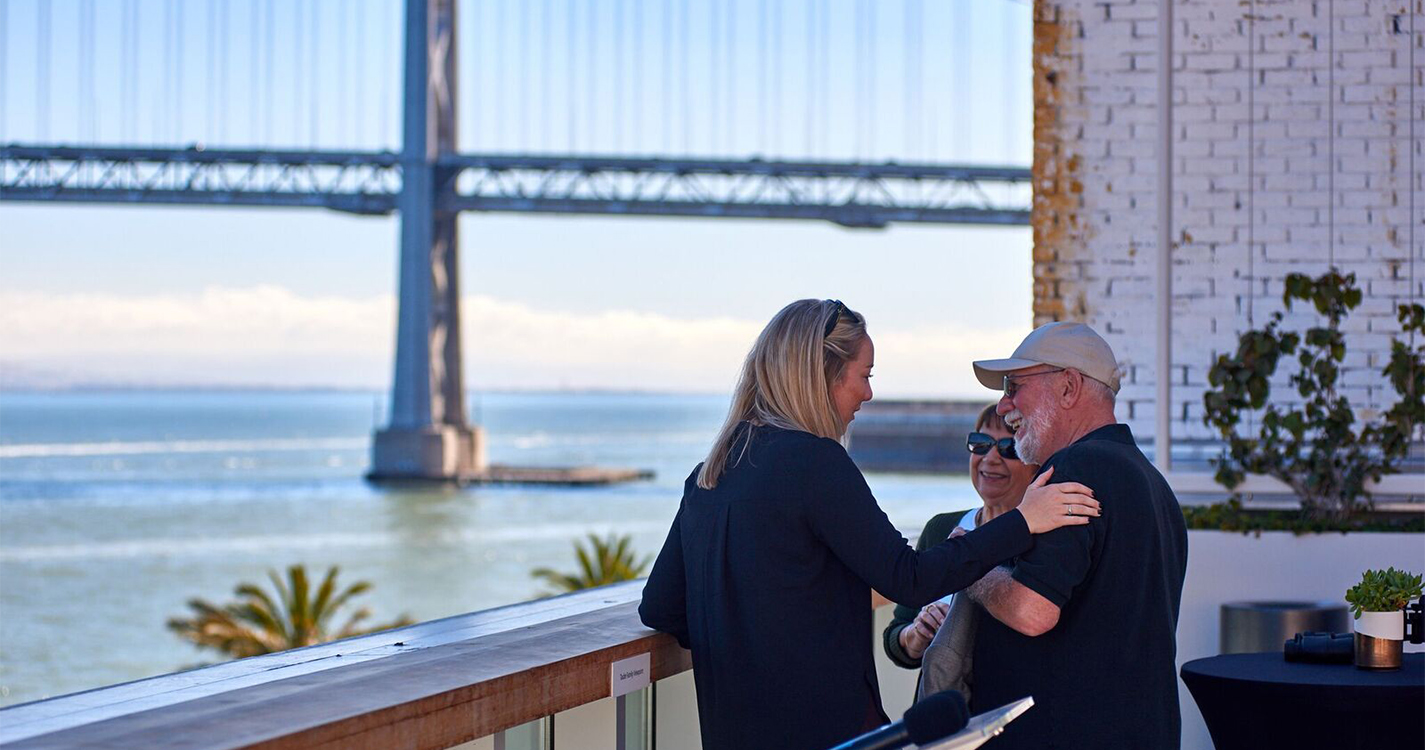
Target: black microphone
[[930, 720]]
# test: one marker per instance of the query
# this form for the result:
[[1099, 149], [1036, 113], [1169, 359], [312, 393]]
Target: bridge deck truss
[[849, 194]]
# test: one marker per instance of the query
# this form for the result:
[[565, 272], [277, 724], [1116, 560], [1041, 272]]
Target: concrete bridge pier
[[429, 437]]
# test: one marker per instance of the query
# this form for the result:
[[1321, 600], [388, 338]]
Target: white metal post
[[1162, 436]]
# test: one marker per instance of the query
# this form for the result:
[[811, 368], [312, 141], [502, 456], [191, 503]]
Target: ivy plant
[[1383, 591], [1314, 444]]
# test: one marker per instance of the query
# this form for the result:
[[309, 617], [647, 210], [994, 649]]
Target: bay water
[[116, 507]]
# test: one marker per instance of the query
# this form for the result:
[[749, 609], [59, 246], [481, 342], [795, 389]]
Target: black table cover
[[1263, 701]]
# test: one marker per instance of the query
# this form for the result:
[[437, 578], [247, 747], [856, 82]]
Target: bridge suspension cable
[[911, 77], [640, 103], [315, 51], [526, 69], [619, 107], [42, 44], [546, 89], [429, 182], [85, 69], [764, 83], [210, 90], [4, 70], [344, 94], [685, 38], [777, 58], [733, 80], [359, 61], [963, 66]]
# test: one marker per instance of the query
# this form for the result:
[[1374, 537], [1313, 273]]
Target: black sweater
[[767, 579], [937, 530], [1105, 675]]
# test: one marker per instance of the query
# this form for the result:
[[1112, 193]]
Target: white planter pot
[[1387, 625], [1380, 639]]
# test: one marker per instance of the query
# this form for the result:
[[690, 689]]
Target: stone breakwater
[[913, 436]]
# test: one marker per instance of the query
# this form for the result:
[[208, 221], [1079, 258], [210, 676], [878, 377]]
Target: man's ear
[[1071, 389]]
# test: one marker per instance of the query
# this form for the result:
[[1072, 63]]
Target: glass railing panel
[[536, 735], [634, 716], [592, 726], [484, 743], [675, 718], [897, 683]]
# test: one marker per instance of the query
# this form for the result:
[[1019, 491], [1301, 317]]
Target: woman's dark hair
[[988, 418]]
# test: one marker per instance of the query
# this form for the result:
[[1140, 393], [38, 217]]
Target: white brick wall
[[1283, 162]]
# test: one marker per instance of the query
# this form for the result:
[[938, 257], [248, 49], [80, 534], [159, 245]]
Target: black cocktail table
[[1262, 700]]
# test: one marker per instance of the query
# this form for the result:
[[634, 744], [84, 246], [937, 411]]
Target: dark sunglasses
[[840, 310], [1011, 386], [980, 444]]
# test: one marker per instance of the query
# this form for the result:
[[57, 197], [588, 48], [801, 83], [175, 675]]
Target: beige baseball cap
[[1061, 344]]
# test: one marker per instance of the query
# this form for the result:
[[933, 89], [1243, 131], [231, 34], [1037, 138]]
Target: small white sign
[[628, 675]]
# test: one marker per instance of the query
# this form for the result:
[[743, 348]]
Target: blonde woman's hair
[[787, 377]]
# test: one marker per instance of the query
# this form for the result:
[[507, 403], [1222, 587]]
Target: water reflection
[[94, 557]]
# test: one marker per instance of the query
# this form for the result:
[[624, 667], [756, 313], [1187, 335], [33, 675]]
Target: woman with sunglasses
[[1001, 480], [767, 571]]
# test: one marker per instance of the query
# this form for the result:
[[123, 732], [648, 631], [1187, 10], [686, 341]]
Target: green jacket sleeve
[[936, 531]]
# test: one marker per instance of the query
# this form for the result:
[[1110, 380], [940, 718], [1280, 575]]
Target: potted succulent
[[1378, 603]]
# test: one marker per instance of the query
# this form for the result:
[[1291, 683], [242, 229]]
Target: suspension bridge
[[654, 120]]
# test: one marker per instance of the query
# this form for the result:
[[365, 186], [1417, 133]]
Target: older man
[[1084, 622]]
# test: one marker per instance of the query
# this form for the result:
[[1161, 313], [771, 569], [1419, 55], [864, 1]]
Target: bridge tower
[[429, 436]]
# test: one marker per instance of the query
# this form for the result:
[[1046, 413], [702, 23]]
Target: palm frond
[[301, 606], [321, 608], [259, 622], [355, 589], [262, 611], [604, 561]]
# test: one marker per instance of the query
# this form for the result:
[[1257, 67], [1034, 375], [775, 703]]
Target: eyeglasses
[[1011, 387], [840, 310], [980, 444]]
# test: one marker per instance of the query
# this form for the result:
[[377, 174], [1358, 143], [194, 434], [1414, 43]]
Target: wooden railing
[[531, 676], [429, 686]]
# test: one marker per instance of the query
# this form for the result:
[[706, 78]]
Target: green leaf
[[1383, 591], [1257, 387], [259, 622], [1316, 446], [604, 561]]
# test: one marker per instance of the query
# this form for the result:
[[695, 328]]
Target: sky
[[288, 297]]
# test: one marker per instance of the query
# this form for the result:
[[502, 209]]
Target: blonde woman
[[768, 568]]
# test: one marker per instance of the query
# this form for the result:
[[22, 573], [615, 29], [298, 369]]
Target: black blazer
[[767, 579]]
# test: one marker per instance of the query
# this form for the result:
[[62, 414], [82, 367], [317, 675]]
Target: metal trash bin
[[1257, 627]]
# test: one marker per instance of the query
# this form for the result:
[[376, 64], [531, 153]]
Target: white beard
[[1029, 434]]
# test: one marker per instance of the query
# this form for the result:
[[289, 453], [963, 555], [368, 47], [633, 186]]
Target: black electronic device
[[1321, 648], [930, 720], [1415, 621]]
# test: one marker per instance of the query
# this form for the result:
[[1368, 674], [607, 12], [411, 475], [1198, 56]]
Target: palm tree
[[258, 623], [606, 561]]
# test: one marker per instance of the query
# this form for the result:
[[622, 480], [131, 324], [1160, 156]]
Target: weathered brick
[[1252, 204]]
